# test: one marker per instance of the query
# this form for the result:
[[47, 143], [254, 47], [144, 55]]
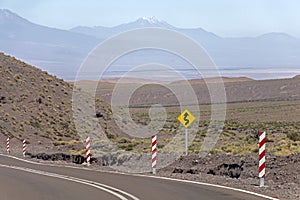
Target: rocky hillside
[[37, 107]]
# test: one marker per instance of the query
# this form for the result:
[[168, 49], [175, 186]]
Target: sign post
[[7, 145], [262, 158], [24, 148], [186, 142], [88, 151], [154, 154], [186, 119]]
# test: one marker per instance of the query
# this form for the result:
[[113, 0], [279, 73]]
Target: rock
[[178, 170], [99, 115], [39, 100], [78, 159], [60, 156], [231, 170], [118, 158], [192, 170], [94, 160], [195, 162], [211, 171], [108, 160], [3, 100]]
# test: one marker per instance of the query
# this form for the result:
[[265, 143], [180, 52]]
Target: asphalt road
[[27, 181]]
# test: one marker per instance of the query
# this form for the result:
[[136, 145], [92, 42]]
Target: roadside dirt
[[282, 173]]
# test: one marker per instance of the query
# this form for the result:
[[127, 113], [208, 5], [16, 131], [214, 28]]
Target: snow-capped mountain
[[61, 51], [149, 22], [104, 32]]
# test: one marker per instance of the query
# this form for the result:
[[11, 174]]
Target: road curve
[[136, 186], [16, 185]]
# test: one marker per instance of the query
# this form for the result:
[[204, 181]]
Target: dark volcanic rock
[[99, 115], [231, 170], [78, 159], [178, 170], [192, 170], [117, 159]]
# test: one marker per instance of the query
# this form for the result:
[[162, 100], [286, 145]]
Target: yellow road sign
[[186, 118]]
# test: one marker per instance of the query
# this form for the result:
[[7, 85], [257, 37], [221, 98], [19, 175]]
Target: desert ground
[[38, 107]]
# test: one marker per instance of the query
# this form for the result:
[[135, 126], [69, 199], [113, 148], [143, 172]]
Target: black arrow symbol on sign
[[185, 118]]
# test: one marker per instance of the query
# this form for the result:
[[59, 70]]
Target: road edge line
[[157, 177], [68, 178]]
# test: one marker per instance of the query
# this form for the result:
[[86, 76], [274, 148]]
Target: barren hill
[[237, 90], [35, 106]]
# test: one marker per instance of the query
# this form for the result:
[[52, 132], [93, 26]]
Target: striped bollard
[[24, 148], [7, 145], [88, 151], [262, 158], [154, 139]]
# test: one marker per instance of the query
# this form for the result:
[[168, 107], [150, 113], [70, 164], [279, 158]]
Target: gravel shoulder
[[282, 178]]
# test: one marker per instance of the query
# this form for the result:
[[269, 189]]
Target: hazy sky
[[223, 17]]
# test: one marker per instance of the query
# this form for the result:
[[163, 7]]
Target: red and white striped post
[[7, 145], [154, 153], [262, 158], [24, 148], [88, 151]]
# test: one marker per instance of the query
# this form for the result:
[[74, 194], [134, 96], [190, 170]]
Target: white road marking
[[212, 185], [53, 165], [156, 177], [106, 188]]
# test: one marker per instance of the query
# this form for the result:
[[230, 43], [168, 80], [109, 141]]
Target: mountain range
[[61, 52]]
